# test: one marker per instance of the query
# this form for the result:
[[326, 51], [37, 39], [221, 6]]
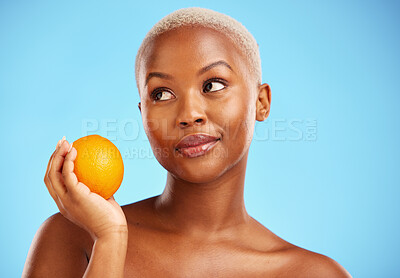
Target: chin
[[202, 169], [196, 176]]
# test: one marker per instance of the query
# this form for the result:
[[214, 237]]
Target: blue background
[[323, 170]]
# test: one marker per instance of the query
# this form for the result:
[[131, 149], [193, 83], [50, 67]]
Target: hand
[[90, 211]]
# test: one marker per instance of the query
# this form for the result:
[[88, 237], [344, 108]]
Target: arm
[[318, 265], [59, 250], [108, 256]]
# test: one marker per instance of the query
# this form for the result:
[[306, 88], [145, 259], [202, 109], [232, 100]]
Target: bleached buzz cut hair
[[196, 16]]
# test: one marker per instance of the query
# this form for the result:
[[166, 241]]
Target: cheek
[[237, 117], [157, 122], [159, 126], [154, 126]]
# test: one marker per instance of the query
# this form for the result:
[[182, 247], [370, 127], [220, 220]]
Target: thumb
[[111, 198]]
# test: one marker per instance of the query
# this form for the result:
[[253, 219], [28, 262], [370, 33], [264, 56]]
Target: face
[[194, 80]]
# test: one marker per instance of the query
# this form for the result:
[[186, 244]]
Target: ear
[[140, 108], [263, 102]]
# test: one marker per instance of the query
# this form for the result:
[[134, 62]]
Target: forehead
[[188, 47]]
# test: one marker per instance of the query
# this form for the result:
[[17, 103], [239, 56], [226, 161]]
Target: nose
[[190, 111]]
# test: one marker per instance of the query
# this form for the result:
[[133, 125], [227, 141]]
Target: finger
[[53, 194], [56, 199], [51, 158], [68, 174], [50, 188], [55, 174], [112, 201], [74, 187], [47, 181]]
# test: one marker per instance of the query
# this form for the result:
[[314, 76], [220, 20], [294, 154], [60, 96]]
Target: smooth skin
[[192, 79]]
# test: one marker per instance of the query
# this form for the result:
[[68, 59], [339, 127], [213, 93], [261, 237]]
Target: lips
[[197, 144], [196, 139]]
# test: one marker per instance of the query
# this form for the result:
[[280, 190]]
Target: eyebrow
[[200, 72], [212, 65], [159, 75]]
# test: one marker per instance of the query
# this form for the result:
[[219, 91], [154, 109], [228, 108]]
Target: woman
[[198, 73]]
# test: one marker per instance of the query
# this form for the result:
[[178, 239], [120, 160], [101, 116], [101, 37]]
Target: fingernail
[[58, 144], [62, 140], [70, 147]]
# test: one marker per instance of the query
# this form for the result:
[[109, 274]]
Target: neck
[[204, 207]]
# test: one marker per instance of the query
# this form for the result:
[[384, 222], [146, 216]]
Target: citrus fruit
[[98, 165]]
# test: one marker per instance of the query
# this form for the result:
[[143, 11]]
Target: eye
[[162, 95], [213, 86]]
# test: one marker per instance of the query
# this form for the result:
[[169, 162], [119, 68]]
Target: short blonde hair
[[232, 28]]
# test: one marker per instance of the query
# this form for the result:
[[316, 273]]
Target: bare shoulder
[[58, 248], [305, 263], [288, 260], [140, 212]]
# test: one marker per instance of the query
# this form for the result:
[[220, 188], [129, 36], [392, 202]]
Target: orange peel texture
[[98, 165]]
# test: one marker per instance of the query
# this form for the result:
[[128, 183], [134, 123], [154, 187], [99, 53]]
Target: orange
[[98, 165]]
